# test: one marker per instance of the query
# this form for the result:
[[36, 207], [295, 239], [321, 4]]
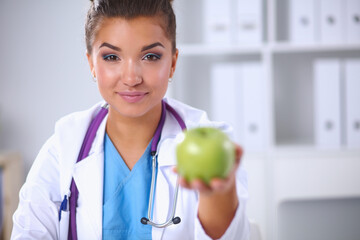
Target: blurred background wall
[[43, 68]]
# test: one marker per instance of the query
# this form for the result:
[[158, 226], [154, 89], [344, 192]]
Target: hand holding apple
[[218, 198], [204, 154]]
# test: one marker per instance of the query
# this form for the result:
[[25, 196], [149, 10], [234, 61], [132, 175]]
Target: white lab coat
[[50, 176]]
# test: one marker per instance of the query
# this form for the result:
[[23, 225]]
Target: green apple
[[205, 153]]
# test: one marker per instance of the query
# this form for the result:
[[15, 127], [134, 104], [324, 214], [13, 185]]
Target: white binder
[[332, 26], [327, 103], [252, 105], [224, 96], [217, 21], [249, 22], [352, 21], [352, 103], [302, 21]]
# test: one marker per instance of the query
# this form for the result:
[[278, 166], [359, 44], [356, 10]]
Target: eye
[[152, 57], [111, 58]]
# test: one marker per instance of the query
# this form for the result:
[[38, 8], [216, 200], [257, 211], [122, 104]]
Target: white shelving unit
[[291, 167]]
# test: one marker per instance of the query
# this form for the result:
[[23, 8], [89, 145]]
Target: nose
[[131, 73]]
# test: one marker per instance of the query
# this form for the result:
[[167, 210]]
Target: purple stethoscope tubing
[[84, 152]]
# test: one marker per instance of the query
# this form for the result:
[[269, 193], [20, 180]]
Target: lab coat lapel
[[166, 146], [88, 175]]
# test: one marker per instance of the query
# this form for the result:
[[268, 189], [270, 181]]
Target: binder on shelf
[[327, 103], [252, 105], [302, 21], [248, 28], [331, 21], [352, 103], [352, 21], [224, 93], [217, 21]]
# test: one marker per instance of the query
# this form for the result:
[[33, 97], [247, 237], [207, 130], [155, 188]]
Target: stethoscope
[[84, 152]]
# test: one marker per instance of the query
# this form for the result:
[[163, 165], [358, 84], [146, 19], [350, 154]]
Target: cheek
[[161, 74], [106, 76]]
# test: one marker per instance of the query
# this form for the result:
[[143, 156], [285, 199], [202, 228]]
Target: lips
[[132, 97]]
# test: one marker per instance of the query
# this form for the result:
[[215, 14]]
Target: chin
[[134, 110]]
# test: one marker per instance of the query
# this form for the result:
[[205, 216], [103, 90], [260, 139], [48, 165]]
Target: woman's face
[[132, 61]]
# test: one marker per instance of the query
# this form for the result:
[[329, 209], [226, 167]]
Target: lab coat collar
[[166, 147], [171, 133]]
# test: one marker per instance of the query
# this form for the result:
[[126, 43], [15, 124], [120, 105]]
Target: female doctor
[[132, 55]]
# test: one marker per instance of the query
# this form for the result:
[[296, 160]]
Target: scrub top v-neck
[[126, 195]]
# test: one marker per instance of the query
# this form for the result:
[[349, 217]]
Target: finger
[[199, 185], [222, 185], [183, 183], [217, 184], [238, 153]]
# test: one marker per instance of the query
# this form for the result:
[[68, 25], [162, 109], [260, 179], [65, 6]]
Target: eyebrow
[[152, 46], [105, 44]]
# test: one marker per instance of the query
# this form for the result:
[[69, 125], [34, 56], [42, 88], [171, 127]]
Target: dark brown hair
[[129, 9]]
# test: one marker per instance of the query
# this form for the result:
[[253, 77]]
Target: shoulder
[[78, 118], [188, 113], [70, 131], [195, 117]]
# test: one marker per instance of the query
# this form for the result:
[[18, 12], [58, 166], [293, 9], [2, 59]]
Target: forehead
[[135, 30]]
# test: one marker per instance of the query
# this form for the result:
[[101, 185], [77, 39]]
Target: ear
[[91, 64], [173, 63]]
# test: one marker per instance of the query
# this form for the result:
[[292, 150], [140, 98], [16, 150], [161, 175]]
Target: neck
[[132, 132]]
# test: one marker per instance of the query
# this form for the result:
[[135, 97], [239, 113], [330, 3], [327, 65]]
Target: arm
[[216, 211], [37, 214], [219, 203]]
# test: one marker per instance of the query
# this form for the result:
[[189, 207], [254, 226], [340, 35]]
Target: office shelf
[[289, 107]]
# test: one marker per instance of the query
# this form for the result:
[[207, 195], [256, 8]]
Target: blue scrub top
[[126, 195]]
